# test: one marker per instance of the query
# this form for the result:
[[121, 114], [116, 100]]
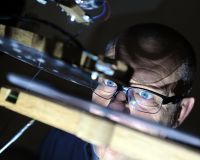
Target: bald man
[[163, 64]]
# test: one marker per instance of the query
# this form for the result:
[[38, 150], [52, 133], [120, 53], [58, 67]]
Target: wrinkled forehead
[[162, 82], [164, 70], [148, 77], [149, 71]]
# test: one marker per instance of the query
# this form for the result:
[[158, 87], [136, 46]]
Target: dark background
[[182, 15]]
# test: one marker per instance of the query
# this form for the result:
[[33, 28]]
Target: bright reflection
[[86, 18], [1, 42], [42, 1], [41, 60], [14, 44], [19, 57], [94, 75], [54, 70], [72, 18], [18, 51]]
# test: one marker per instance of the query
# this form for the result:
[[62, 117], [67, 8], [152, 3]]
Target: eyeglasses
[[141, 99]]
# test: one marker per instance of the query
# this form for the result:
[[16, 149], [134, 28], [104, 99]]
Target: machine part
[[90, 4]]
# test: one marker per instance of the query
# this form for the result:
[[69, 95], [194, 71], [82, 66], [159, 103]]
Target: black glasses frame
[[166, 99]]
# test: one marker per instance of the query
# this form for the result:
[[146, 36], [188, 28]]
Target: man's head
[[163, 62]]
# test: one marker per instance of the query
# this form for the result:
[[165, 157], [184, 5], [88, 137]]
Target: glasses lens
[[144, 100], [105, 88]]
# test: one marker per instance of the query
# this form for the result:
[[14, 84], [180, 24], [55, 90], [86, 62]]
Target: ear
[[186, 106]]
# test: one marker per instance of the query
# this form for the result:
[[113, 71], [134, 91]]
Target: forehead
[[159, 73], [156, 79]]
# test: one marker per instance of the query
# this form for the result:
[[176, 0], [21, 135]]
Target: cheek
[[166, 115], [119, 106], [147, 116], [99, 100], [119, 103], [163, 117]]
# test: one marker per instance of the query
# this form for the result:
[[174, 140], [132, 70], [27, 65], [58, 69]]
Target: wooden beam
[[96, 130]]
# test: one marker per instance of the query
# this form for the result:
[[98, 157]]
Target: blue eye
[[145, 94], [109, 83]]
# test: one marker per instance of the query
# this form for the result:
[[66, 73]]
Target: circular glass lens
[[144, 100], [106, 88]]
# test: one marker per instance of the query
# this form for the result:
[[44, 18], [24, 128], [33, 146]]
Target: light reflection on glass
[[42, 61]]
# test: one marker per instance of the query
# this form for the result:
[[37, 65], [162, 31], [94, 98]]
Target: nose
[[119, 103], [120, 96]]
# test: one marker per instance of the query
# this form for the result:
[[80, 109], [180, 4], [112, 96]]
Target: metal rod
[[15, 137]]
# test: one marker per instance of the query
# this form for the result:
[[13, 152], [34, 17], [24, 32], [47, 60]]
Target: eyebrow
[[161, 89]]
